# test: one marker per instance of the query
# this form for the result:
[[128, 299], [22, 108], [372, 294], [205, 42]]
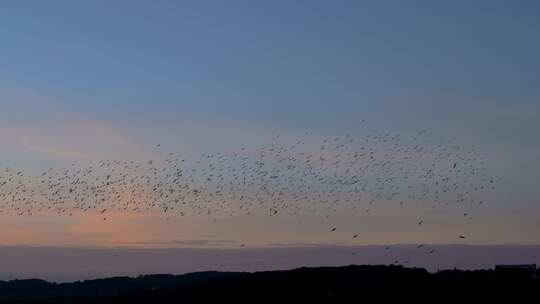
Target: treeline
[[359, 284]]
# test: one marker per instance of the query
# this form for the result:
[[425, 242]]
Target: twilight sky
[[94, 80]]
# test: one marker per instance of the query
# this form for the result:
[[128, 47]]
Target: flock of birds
[[307, 175]]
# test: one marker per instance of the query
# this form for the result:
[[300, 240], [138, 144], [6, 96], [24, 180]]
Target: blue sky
[[113, 77], [271, 59]]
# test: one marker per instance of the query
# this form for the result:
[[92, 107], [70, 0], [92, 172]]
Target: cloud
[[33, 126], [189, 243]]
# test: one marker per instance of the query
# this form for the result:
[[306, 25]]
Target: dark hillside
[[331, 284]]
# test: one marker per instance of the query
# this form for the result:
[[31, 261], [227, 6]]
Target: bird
[[359, 175]]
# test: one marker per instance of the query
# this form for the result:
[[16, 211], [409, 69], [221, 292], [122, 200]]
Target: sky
[[84, 81]]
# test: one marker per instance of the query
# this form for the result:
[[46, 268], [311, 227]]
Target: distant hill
[[302, 285]]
